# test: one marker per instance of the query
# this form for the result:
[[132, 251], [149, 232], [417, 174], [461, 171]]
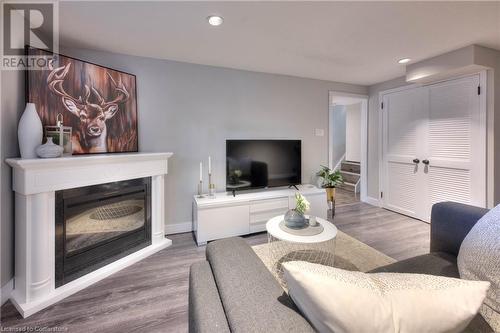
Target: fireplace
[[76, 182], [96, 225]]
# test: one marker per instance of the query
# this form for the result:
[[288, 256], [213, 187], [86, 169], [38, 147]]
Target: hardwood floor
[[396, 235], [152, 295]]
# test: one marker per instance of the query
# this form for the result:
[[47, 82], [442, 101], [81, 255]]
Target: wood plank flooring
[[152, 295]]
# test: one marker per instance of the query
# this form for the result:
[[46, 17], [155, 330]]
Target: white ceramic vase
[[49, 149], [29, 132]]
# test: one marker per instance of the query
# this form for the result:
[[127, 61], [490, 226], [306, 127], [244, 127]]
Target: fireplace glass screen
[[102, 223], [96, 225]]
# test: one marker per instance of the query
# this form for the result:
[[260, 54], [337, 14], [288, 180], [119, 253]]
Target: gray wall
[[191, 110], [12, 105], [338, 128], [353, 132]]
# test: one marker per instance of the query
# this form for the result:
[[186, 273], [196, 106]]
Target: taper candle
[[209, 165], [201, 171]]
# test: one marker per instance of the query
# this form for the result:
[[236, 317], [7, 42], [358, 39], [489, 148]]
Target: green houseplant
[[330, 180], [302, 204]]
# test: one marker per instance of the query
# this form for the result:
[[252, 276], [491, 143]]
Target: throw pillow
[[479, 259], [335, 300]]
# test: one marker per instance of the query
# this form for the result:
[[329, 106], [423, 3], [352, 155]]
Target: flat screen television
[[254, 164]]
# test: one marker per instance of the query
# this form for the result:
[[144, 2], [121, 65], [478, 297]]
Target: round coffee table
[[285, 246]]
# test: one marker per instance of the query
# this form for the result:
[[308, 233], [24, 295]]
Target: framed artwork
[[98, 103]]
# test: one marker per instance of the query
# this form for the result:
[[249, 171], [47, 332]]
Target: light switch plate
[[319, 132]]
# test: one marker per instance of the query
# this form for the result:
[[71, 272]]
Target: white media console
[[227, 215]]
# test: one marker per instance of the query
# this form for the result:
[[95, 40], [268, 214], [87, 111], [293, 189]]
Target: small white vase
[[49, 149], [29, 132]]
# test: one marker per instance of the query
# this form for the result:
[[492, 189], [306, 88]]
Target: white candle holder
[[211, 187]]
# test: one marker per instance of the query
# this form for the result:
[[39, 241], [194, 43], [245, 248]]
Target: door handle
[[416, 160], [426, 162]]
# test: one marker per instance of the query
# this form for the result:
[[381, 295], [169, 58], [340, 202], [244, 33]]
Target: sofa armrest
[[252, 298], [206, 313], [450, 223]]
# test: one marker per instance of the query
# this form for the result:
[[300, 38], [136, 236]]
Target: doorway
[[347, 148]]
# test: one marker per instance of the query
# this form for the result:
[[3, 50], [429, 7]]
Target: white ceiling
[[353, 42]]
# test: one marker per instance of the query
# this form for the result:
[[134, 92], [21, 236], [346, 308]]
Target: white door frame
[[484, 109], [364, 137]]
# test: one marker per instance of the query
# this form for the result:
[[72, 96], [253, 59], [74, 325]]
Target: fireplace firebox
[[96, 225]]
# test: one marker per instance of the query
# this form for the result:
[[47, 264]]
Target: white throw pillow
[[479, 259], [335, 300]]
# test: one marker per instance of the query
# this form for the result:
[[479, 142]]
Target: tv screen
[[262, 163]]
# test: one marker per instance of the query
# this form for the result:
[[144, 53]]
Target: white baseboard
[[6, 291], [178, 228], [371, 201]]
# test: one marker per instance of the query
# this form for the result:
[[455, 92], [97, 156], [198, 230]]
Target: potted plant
[[234, 176], [330, 180], [294, 218]]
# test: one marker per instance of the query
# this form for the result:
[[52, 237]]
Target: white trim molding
[[339, 164], [371, 201], [353, 98], [178, 228], [35, 182], [6, 291]]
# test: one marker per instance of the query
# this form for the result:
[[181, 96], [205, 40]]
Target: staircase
[[351, 172]]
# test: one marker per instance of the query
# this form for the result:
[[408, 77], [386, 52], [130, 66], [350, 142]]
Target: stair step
[[348, 186], [350, 177], [349, 173], [350, 167]]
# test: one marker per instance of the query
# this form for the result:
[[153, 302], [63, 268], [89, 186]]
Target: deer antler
[[123, 94], [55, 82], [87, 94], [100, 100]]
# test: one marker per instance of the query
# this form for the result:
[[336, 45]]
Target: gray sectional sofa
[[232, 291]]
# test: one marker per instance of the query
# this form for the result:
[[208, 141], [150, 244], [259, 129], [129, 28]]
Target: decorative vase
[[29, 132], [49, 149], [295, 220], [330, 199], [330, 194]]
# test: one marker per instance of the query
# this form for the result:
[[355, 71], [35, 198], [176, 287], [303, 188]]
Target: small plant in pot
[[330, 180], [294, 218], [234, 176]]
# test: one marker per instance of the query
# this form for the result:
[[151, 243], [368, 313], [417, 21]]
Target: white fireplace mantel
[[35, 182]]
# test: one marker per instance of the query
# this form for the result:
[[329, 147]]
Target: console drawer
[[268, 205], [261, 212]]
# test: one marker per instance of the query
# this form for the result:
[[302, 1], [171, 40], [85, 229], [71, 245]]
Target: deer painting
[[91, 110]]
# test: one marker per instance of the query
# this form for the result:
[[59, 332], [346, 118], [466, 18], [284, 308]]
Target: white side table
[[284, 246]]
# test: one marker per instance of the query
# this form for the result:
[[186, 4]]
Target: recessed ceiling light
[[215, 20], [404, 60]]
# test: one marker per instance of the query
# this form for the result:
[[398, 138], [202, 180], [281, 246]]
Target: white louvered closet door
[[404, 120], [457, 139], [433, 147]]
